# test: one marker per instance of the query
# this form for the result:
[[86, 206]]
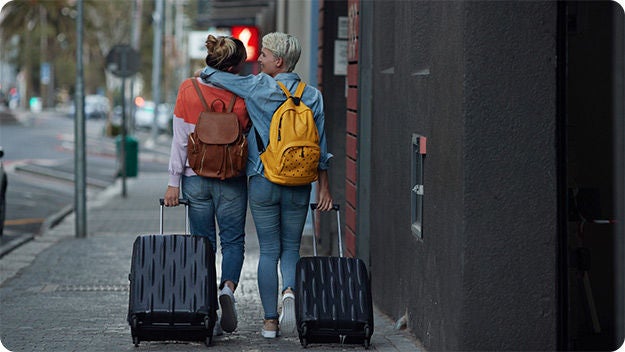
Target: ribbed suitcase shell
[[173, 289], [333, 299]]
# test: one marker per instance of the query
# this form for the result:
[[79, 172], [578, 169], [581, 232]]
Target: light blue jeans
[[226, 201], [279, 214]]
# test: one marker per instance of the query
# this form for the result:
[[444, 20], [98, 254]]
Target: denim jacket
[[262, 97]]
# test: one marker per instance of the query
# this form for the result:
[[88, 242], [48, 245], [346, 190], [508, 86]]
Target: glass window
[[416, 194]]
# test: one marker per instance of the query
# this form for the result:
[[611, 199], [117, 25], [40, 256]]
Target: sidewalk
[[61, 293]]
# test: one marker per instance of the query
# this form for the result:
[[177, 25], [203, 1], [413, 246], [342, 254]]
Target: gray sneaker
[[287, 317], [217, 330], [228, 310]]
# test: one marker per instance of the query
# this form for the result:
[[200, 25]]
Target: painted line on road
[[26, 221]]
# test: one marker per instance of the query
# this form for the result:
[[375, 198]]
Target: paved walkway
[[61, 293]]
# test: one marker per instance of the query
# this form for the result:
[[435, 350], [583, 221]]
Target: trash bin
[[36, 104], [132, 155]]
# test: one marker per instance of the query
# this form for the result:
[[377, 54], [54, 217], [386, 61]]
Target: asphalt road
[[39, 160]]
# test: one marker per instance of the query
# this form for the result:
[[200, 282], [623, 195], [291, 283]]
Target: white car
[[144, 116], [96, 107]]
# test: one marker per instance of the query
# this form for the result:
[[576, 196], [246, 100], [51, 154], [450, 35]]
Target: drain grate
[[84, 288], [92, 288]]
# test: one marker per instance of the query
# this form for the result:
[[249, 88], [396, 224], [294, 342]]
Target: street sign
[[122, 61], [45, 73]]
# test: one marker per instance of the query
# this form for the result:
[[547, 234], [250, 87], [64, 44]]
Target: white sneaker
[[287, 317], [228, 310], [217, 330], [270, 329]]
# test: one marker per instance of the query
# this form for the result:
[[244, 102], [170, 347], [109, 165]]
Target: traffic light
[[249, 36]]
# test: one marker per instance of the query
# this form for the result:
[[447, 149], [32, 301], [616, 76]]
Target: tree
[[37, 31], [51, 23]]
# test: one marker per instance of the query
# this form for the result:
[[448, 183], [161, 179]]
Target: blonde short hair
[[284, 46]]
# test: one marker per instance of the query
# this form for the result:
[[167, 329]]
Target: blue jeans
[[279, 214], [227, 202]]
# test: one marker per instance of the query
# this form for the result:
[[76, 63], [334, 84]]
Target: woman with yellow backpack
[[279, 201]]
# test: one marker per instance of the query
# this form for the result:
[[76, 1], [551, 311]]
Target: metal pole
[[156, 68], [80, 164], [122, 145], [137, 6]]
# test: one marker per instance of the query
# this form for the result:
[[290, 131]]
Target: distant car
[[96, 107], [3, 192], [144, 116]]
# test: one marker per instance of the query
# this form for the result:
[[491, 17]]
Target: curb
[[14, 244]]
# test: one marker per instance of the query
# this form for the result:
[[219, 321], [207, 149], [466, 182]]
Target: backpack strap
[[286, 91], [232, 101], [259, 141], [298, 91], [206, 107], [199, 93]]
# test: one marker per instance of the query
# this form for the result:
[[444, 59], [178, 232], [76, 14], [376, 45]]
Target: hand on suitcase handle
[[181, 201], [313, 206]]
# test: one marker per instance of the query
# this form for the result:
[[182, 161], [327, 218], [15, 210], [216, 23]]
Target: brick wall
[[351, 143]]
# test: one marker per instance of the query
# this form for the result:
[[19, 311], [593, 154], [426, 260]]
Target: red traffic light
[[249, 36]]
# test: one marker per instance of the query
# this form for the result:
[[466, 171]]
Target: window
[[416, 194]]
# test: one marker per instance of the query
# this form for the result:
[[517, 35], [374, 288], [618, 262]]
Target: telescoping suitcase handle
[[186, 214], [335, 207]]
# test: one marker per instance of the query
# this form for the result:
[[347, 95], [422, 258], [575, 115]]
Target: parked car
[[3, 192], [144, 116], [96, 107]]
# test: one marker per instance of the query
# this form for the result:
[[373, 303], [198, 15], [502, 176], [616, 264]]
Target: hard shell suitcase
[[333, 297], [173, 287]]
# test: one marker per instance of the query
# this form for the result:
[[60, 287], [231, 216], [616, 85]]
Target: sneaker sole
[[269, 334], [217, 331], [287, 321], [228, 314]]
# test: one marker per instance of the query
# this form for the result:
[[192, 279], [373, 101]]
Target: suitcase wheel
[[302, 336], [367, 341], [209, 337], [133, 322], [135, 340]]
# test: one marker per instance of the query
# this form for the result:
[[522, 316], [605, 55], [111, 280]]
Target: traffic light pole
[[157, 62], [123, 130], [80, 163]]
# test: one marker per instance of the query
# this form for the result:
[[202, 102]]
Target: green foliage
[[37, 31]]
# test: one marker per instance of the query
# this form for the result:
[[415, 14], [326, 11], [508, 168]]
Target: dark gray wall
[[407, 99], [510, 175], [478, 79]]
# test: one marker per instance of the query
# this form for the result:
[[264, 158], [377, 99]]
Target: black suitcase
[[333, 297], [173, 287]]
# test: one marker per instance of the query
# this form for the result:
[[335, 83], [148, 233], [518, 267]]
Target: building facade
[[483, 177]]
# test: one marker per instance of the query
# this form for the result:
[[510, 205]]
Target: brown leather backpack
[[217, 148]]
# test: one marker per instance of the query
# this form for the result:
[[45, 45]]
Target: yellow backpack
[[292, 155]]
